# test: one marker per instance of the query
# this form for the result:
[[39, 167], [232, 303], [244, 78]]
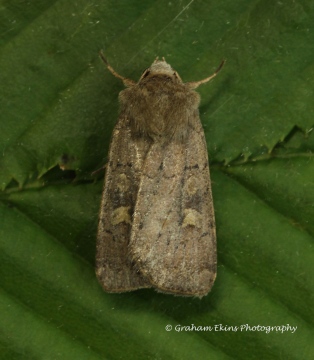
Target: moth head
[[161, 67]]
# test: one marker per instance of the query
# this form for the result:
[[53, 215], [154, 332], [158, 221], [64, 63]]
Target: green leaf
[[58, 107]]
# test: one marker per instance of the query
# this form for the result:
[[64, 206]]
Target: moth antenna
[[127, 82], [195, 84]]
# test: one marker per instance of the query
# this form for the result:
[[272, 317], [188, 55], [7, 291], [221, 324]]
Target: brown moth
[[157, 225]]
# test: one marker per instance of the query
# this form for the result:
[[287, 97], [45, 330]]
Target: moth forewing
[[173, 233], [156, 226], [113, 264]]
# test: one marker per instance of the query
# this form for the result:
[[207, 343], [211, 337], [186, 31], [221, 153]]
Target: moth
[[156, 224]]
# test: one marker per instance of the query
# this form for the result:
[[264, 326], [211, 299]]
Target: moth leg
[[127, 82], [195, 84], [104, 167]]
